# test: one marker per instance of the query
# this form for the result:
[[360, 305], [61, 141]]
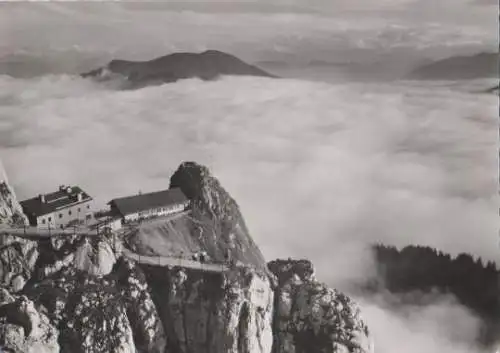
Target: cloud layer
[[423, 329], [330, 163]]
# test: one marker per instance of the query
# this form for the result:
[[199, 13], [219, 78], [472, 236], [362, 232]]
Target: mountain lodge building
[[60, 208], [159, 203]]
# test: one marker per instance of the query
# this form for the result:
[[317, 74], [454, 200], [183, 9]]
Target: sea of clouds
[[321, 168]]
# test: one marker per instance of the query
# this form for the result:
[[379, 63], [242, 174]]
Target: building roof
[[54, 201], [142, 202]]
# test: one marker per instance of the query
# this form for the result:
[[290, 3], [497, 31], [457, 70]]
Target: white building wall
[[131, 217], [81, 211], [156, 212]]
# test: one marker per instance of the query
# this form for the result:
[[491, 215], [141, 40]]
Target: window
[[88, 217], [79, 209], [88, 206], [60, 215], [43, 221], [50, 219], [69, 212]]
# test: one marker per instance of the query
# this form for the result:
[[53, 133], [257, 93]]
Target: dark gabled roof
[[142, 202], [54, 201]]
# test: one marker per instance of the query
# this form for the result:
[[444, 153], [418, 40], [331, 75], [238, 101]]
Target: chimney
[[79, 196], [68, 189], [42, 198], [62, 187]]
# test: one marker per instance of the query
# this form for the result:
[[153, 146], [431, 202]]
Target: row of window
[[49, 219], [163, 209]]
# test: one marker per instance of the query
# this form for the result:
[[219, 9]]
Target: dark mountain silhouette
[[208, 65], [426, 270], [482, 65]]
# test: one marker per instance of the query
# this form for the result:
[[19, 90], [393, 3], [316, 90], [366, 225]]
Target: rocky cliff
[[309, 317], [207, 65], [80, 295], [11, 211]]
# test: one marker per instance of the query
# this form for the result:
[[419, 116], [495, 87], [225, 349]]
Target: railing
[[175, 262], [30, 231], [100, 229]]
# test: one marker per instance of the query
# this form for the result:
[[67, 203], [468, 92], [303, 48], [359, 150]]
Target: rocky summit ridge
[[82, 295]]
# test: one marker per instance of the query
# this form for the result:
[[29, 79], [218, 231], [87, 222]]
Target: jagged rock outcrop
[[17, 255], [17, 262], [95, 257], [208, 65], [149, 335], [92, 255], [312, 318], [217, 221], [227, 312], [214, 313], [11, 212], [24, 328], [89, 311]]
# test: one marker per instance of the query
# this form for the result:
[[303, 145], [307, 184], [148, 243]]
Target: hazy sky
[[90, 33], [320, 169]]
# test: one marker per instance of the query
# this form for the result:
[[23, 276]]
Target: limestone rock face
[[95, 257], [312, 318], [11, 212], [17, 262], [149, 335], [24, 328], [88, 310], [17, 256], [217, 220], [214, 313]]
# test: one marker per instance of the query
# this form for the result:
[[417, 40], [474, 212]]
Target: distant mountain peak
[[207, 65], [462, 67]]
